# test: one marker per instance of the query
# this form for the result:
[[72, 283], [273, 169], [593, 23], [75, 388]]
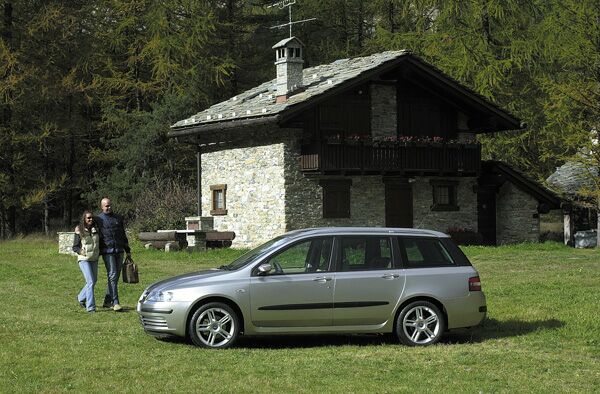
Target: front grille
[[154, 323]]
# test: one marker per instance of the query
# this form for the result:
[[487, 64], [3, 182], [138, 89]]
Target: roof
[[524, 183], [258, 105], [571, 178], [285, 41]]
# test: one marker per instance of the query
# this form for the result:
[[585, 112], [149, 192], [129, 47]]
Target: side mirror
[[264, 268]]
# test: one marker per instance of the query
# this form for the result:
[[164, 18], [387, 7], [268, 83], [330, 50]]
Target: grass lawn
[[542, 334]]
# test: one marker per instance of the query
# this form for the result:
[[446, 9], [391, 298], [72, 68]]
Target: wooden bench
[[190, 239], [168, 240]]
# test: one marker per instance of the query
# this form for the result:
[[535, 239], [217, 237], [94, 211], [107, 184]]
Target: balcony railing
[[414, 157]]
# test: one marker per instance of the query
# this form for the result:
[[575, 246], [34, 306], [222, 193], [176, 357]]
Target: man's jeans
[[89, 269], [113, 263]]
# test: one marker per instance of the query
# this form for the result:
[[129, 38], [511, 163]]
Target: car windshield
[[248, 257]]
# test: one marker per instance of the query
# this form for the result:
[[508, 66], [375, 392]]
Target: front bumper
[[163, 318]]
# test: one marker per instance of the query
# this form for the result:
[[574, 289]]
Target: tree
[[572, 48], [158, 66], [43, 112]]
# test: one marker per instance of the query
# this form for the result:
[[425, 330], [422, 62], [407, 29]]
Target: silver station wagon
[[414, 283]]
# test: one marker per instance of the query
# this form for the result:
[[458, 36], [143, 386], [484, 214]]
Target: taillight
[[474, 283]]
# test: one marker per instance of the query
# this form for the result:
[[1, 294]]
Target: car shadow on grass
[[491, 329], [311, 341], [298, 341], [496, 329]]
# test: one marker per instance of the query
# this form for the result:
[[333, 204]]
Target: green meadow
[[542, 334]]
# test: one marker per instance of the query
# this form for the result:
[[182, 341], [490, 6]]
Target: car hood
[[186, 280]]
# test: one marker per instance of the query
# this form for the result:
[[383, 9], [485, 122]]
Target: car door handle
[[322, 279], [390, 276]]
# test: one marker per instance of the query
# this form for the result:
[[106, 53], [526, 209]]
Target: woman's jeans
[[113, 263], [89, 269]]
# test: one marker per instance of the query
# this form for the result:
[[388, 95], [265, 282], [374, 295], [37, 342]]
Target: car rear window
[[424, 253]]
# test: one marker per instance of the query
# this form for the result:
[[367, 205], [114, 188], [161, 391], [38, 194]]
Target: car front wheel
[[420, 324], [214, 325]]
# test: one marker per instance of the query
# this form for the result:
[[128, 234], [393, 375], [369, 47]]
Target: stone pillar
[[383, 111], [65, 242], [204, 223], [196, 241], [568, 227]]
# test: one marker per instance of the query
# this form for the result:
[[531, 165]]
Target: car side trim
[[335, 305]]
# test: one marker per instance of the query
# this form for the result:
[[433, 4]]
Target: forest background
[[89, 88]]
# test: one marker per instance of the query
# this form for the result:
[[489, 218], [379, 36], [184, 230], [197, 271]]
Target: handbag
[[130, 271]]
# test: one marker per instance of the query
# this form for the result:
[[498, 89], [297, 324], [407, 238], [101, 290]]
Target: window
[[444, 196], [424, 253], [305, 257], [336, 198], [219, 200], [366, 253]]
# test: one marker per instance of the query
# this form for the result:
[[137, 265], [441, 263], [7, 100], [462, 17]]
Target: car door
[[368, 284], [298, 291]]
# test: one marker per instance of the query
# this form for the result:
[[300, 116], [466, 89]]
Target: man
[[113, 243]]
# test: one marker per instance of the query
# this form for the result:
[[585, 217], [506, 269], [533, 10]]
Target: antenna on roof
[[288, 3]]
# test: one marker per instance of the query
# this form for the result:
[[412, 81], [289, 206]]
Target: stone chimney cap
[[286, 41]]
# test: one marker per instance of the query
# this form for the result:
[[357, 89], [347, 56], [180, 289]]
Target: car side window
[[424, 253], [361, 253], [304, 257]]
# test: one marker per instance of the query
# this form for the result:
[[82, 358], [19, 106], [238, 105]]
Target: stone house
[[579, 211], [382, 140]]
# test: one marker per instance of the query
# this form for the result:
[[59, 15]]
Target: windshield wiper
[[224, 267]]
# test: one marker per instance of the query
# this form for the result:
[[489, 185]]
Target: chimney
[[289, 62]]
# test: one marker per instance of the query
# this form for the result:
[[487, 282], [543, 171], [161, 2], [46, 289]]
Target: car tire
[[214, 325], [420, 323]]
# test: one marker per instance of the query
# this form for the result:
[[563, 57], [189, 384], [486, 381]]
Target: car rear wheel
[[420, 324], [214, 325]]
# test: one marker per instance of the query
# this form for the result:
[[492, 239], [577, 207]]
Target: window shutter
[[336, 198]]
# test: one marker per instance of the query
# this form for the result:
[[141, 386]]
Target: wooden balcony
[[401, 158]]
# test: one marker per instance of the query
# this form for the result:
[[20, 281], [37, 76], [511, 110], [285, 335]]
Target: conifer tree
[[572, 52]]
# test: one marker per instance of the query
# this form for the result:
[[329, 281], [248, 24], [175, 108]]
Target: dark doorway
[[486, 214], [398, 203]]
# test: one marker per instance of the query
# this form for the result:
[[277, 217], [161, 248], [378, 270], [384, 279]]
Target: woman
[[87, 247]]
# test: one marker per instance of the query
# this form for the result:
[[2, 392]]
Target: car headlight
[[160, 296]]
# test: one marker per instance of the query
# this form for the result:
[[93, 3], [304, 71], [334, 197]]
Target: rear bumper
[[467, 311]]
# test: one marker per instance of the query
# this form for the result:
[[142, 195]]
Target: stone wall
[[383, 110], [267, 195], [516, 216], [466, 200], [304, 198], [255, 196]]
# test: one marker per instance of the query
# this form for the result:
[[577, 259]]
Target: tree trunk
[[391, 14], [46, 214], [12, 221], [2, 222], [361, 26], [598, 225], [10, 213]]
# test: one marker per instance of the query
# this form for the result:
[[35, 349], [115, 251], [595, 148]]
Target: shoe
[[117, 308], [81, 303], [107, 304], [91, 311]]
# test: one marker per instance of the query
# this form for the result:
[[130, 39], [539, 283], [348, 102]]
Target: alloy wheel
[[421, 325], [215, 327]]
